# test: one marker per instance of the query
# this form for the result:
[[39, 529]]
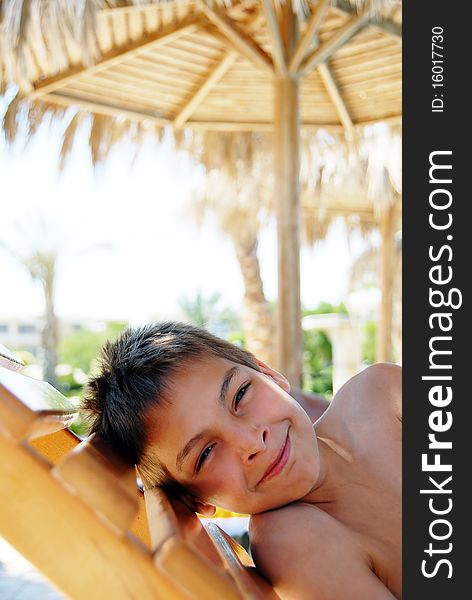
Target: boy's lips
[[279, 463]]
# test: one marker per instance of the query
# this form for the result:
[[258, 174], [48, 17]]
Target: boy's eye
[[240, 395], [203, 456]]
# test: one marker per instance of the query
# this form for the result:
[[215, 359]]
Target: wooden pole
[[288, 210], [387, 256]]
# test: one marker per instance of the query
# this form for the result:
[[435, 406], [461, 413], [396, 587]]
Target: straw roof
[[189, 63], [128, 69]]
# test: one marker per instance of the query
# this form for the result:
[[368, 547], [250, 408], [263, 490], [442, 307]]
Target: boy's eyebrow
[[196, 438], [226, 381], [186, 449]]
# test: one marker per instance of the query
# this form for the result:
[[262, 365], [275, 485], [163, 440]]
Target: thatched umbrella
[[254, 65], [359, 183]]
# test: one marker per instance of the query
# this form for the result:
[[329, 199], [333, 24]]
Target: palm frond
[[69, 137], [96, 138], [10, 121]]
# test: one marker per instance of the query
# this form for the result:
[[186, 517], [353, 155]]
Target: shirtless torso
[[343, 540]]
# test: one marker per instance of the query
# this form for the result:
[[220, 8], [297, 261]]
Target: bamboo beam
[[305, 41], [273, 29], [384, 339], [116, 56], [210, 82], [330, 46], [244, 43], [217, 125], [288, 211], [107, 110], [268, 126], [337, 99]]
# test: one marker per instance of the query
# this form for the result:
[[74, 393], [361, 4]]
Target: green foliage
[[317, 363], [80, 427], [27, 357], [325, 308], [77, 354], [80, 349], [238, 338], [317, 356], [205, 312], [370, 341], [200, 310]]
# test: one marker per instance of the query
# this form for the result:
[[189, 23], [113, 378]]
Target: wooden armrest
[[240, 565], [175, 520], [205, 559], [102, 480], [67, 541], [30, 408], [184, 551]]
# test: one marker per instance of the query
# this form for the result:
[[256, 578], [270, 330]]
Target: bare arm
[[311, 555]]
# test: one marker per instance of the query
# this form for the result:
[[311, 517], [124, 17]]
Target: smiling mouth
[[279, 463]]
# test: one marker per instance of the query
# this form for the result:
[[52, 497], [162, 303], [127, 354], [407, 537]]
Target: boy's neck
[[335, 464]]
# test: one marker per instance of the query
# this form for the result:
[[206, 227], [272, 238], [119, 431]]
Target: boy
[[217, 427]]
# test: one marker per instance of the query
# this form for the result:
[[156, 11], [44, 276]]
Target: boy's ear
[[207, 510], [202, 508], [279, 379]]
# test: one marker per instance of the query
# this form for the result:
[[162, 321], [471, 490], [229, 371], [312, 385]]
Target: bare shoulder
[[282, 537], [377, 388], [299, 549]]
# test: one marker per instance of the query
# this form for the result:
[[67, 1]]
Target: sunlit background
[[108, 222], [128, 248]]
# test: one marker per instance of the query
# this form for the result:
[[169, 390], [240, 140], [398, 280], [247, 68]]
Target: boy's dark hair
[[134, 373]]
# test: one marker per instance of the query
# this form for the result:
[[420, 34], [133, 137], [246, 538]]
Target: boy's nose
[[253, 442]]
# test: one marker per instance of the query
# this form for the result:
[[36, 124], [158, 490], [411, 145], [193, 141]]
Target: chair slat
[[167, 521], [193, 573], [240, 565], [74, 548], [63, 504], [102, 480]]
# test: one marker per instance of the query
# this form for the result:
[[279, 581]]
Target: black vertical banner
[[437, 256]]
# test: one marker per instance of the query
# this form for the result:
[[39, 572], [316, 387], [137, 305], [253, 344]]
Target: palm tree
[[200, 310], [40, 260], [39, 247], [359, 182], [236, 192]]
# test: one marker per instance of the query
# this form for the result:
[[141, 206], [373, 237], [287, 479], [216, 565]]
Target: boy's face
[[234, 437]]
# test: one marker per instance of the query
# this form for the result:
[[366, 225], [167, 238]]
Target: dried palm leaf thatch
[[11, 118], [366, 268], [68, 138], [63, 33], [234, 153], [237, 203], [33, 32], [37, 112], [354, 180], [99, 138], [23, 117]]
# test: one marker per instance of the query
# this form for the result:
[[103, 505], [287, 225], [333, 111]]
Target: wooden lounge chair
[[73, 509]]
